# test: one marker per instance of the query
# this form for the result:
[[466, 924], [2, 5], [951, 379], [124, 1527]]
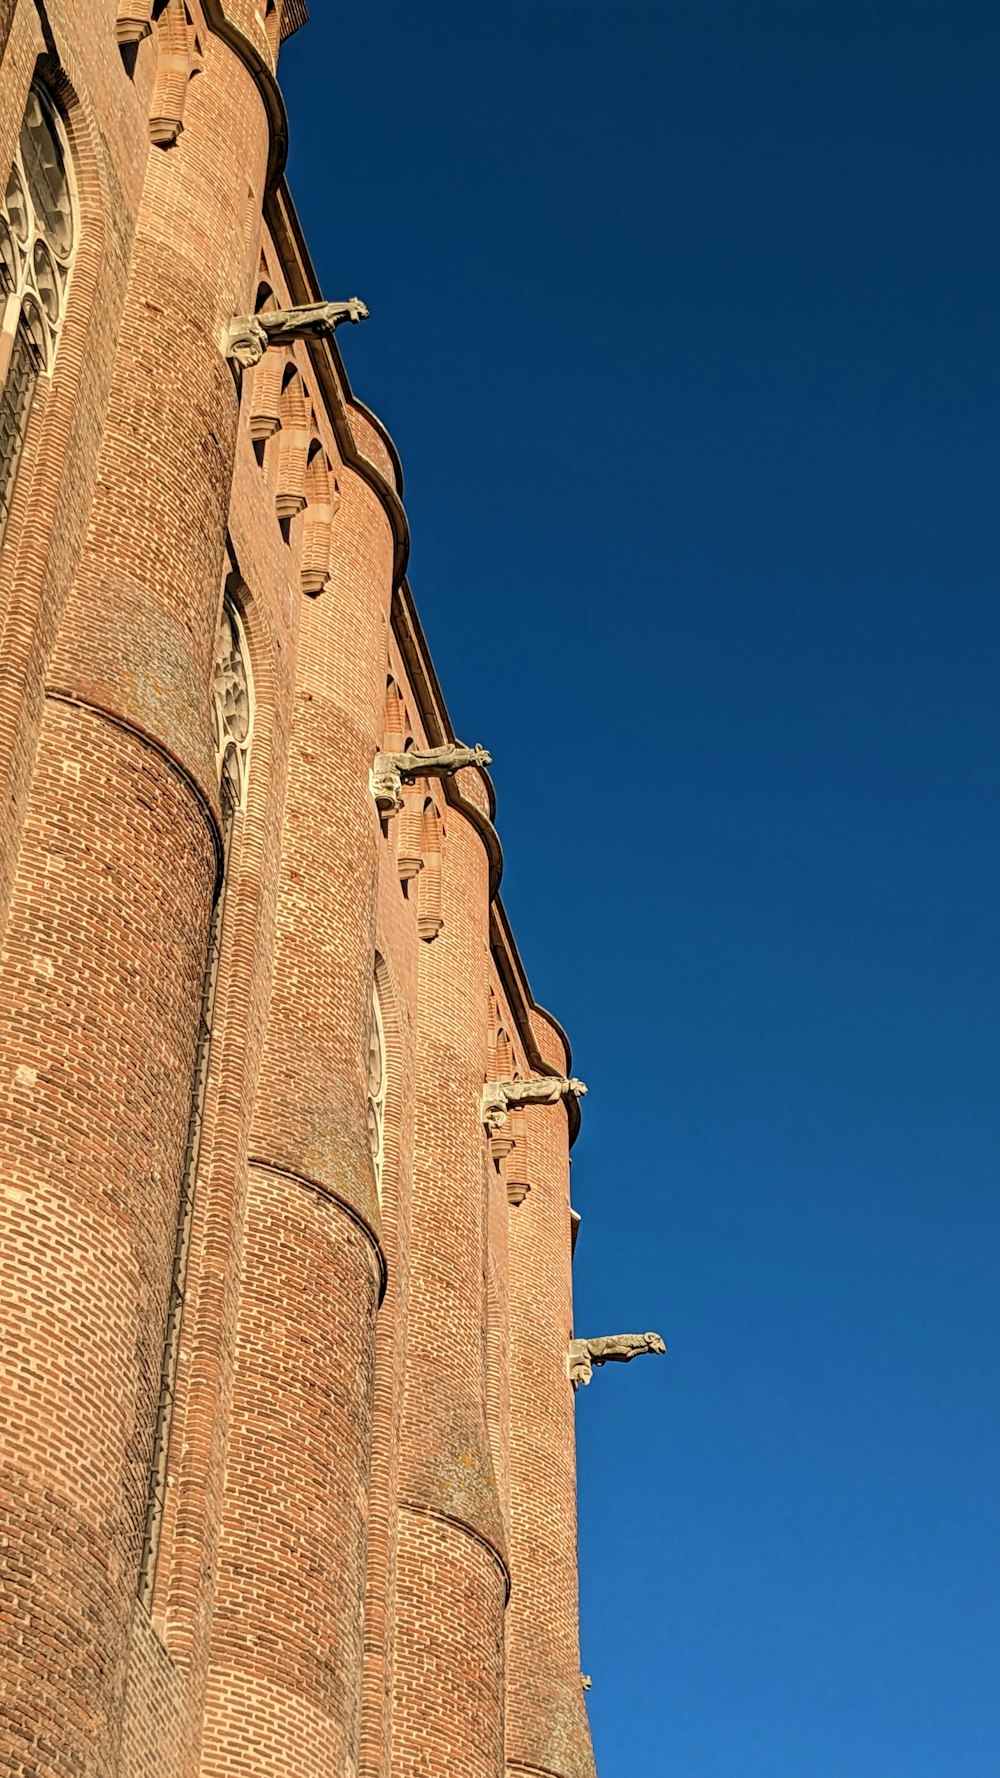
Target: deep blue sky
[[686, 321]]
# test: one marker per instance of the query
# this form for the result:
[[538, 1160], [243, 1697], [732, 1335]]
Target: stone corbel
[[392, 770], [248, 336], [501, 1096], [585, 1355]]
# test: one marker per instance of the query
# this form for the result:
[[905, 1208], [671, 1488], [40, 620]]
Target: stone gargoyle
[[248, 336], [584, 1355], [502, 1096], [392, 770]]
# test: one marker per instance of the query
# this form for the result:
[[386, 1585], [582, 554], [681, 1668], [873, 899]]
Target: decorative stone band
[[611, 1349], [500, 1096], [392, 770], [248, 336]]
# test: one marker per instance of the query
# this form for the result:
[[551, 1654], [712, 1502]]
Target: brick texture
[[362, 1559]]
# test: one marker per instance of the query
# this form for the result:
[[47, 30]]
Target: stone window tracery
[[38, 228], [376, 1090], [232, 707]]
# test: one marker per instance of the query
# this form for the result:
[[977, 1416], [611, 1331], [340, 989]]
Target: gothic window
[[232, 705], [376, 1090], [37, 237], [232, 709]]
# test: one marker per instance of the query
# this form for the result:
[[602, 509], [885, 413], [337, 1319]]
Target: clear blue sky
[[686, 321]]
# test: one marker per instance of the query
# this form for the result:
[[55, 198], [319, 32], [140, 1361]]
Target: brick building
[[287, 1423]]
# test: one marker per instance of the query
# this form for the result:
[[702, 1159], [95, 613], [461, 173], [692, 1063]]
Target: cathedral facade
[[288, 1475]]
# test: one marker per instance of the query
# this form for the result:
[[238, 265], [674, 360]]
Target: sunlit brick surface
[[362, 1559]]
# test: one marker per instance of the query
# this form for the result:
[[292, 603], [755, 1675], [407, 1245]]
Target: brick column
[[451, 1575], [101, 976], [547, 1729], [285, 1679]]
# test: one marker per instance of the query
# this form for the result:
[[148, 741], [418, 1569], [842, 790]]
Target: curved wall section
[[293, 1540], [100, 985], [452, 1575], [109, 914]]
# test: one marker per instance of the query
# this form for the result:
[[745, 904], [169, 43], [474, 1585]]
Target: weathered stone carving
[[499, 1096], [249, 336], [610, 1349], [392, 770], [585, 1682]]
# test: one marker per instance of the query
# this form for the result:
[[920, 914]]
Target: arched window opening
[[322, 501], [430, 920], [290, 497], [38, 228], [232, 711], [179, 59], [376, 1089]]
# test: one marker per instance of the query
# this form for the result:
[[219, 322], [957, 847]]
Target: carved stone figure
[[392, 770], [500, 1095], [249, 336], [610, 1349]]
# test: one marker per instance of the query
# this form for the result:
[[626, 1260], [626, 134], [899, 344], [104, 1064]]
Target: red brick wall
[[352, 1488]]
